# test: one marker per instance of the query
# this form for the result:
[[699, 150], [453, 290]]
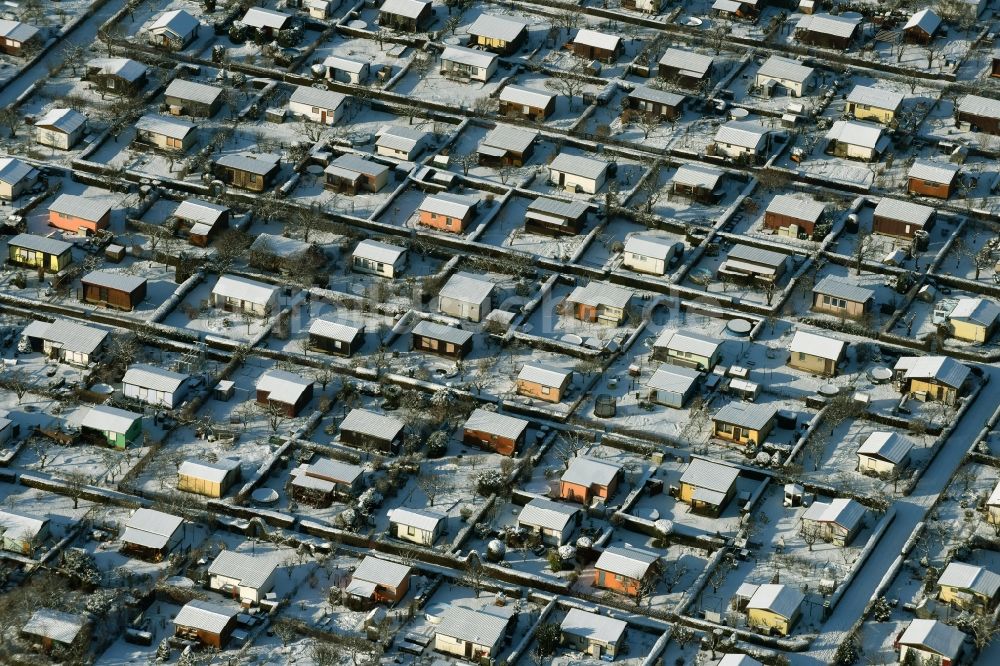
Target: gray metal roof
[[283, 386], [904, 211], [934, 636], [786, 69], [781, 600], [827, 24], [695, 175], [596, 293], [879, 98], [56, 625], [15, 525], [744, 133], [252, 571], [832, 286], [510, 138], [205, 615], [799, 207], [889, 446], [399, 137], [569, 210], [198, 210], [350, 166], [16, 30], [589, 471], [756, 255], [673, 379], [467, 287], [470, 57], [746, 414], [478, 627], [855, 133], [345, 64], [407, 8], [334, 470], [379, 251], [710, 474], [382, 572], [545, 513], [497, 27], [371, 423], [335, 330], [933, 172], [647, 245], [152, 377], [175, 128], [578, 165], [452, 334], [13, 170], [40, 244], [192, 91], [984, 107], [501, 425], [544, 375], [70, 335], [943, 369], [629, 562], [116, 281], [977, 310], [63, 120], [318, 97], [84, 208], [151, 528], [689, 63], [970, 577], [843, 512], [664, 97], [688, 341], [257, 164], [598, 40], [422, 519], [593, 626], [536, 99]]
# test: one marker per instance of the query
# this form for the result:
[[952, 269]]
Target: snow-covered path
[[84, 34], [909, 512]]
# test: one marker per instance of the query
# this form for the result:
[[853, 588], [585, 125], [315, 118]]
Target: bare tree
[[568, 83], [866, 248], [76, 482], [434, 484], [12, 120]]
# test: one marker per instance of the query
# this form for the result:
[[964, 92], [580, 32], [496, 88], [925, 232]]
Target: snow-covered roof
[[174, 128], [786, 69], [797, 206], [124, 68], [597, 40], [933, 636], [548, 207], [750, 134], [335, 330], [673, 379], [832, 286], [192, 91], [976, 310], [154, 378], [452, 334], [234, 286], [333, 470], [52, 246], [448, 204], [208, 471], [109, 419], [629, 562], [933, 171], [260, 17], [856, 133], [422, 519], [943, 369], [18, 526], [757, 255], [13, 170], [593, 626], [980, 580], [379, 251], [545, 513], [381, 572], [257, 164], [746, 414], [688, 341], [84, 208], [497, 27], [467, 288], [406, 8], [695, 175], [583, 471], [578, 165], [879, 98], [509, 138], [345, 64], [647, 245], [781, 600], [350, 166], [804, 342], [843, 512], [318, 97], [688, 63], [250, 570], [470, 57], [62, 120], [710, 475], [537, 373], [199, 210], [536, 99], [283, 386], [664, 97], [177, 21], [372, 424], [732, 659], [68, 334], [473, 626], [114, 280], [926, 20], [994, 498], [975, 105], [500, 425], [56, 625], [827, 24], [17, 31], [205, 615], [151, 528], [399, 137], [731, 6], [889, 446], [596, 294]]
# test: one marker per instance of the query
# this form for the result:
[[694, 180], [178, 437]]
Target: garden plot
[[376, 326], [704, 276], [293, 567], [743, 89], [433, 86], [502, 381], [940, 125], [633, 651], [538, 25], [970, 257], [405, 210], [160, 285], [507, 230], [653, 132], [942, 56], [778, 443], [881, 245], [565, 60], [118, 152], [365, 50], [268, 55], [605, 251], [623, 177], [197, 314], [37, 220], [39, 373], [138, 21], [59, 509], [697, 14], [467, 143], [750, 222], [815, 163], [279, 481], [369, 15], [978, 63], [922, 321], [419, 278], [554, 317], [682, 209], [886, 295], [567, 110]]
